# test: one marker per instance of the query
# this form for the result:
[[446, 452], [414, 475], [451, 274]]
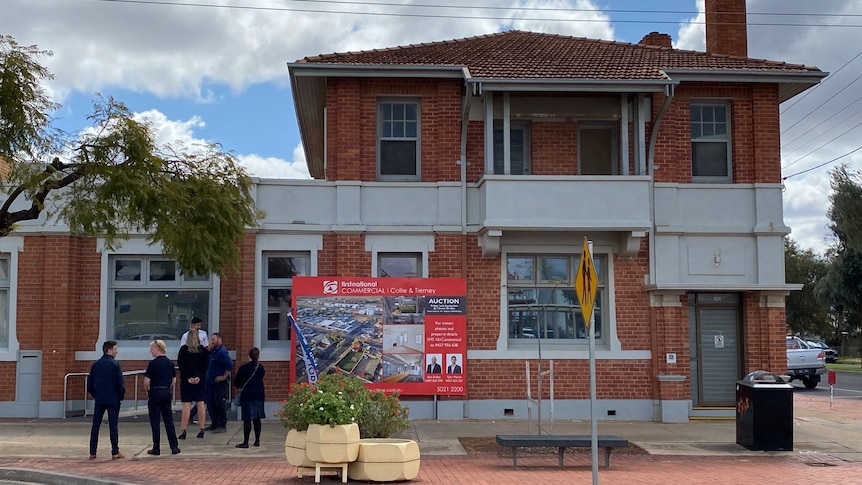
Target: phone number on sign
[[445, 389]]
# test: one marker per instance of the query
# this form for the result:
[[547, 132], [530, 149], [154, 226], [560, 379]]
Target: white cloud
[[181, 133], [176, 50]]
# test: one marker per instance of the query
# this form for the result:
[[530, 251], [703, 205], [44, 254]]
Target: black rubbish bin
[[764, 412]]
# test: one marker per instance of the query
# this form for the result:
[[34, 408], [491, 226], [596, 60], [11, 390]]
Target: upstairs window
[[398, 139], [710, 142], [519, 149]]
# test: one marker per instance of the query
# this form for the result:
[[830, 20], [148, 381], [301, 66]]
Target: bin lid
[[764, 379]]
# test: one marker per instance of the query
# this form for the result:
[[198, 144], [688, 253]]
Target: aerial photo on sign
[[397, 334]]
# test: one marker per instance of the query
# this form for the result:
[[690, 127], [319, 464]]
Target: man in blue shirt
[[105, 384], [218, 374]]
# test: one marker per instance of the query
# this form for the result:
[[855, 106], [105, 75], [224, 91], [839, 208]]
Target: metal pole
[[594, 431]]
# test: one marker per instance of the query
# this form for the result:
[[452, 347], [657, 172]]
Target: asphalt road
[[848, 386]]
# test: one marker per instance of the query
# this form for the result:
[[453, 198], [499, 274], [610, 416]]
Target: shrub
[[340, 399], [382, 416]]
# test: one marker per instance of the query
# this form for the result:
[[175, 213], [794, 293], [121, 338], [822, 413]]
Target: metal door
[[716, 348], [28, 383]]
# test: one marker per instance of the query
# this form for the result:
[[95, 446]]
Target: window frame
[[726, 139], [537, 283], [146, 284], [10, 247], [416, 256], [526, 149], [271, 283], [613, 129], [381, 138]]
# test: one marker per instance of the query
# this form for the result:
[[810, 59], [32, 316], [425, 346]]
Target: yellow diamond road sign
[[586, 284]]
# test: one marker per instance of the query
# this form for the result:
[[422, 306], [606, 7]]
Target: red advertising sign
[[398, 334]]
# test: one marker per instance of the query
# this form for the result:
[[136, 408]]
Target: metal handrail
[[86, 376]]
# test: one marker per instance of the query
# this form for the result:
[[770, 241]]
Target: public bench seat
[[561, 442]]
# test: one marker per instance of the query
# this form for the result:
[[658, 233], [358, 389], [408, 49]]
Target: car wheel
[[809, 383]]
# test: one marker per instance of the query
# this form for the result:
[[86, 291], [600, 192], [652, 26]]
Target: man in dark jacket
[[218, 374], [105, 384]]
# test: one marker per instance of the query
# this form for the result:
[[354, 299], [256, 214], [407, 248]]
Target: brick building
[[488, 158]]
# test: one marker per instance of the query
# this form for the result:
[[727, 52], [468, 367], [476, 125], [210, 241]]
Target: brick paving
[[494, 469], [476, 469]]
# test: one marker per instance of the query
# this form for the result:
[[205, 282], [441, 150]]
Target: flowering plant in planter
[[339, 399], [334, 399]]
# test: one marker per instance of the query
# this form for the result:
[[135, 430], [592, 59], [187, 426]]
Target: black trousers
[[113, 427], [216, 401], [159, 407]]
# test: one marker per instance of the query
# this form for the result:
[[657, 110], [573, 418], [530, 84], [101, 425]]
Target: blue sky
[[220, 73]]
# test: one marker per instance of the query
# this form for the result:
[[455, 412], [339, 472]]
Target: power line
[[857, 125], [811, 130], [443, 16], [821, 104], [824, 163], [561, 9], [831, 76]]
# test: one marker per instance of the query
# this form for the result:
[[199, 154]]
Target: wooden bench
[[561, 442]]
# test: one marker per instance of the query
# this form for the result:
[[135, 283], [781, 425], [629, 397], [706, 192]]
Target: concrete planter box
[[385, 460], [294, 449], [338, 444]]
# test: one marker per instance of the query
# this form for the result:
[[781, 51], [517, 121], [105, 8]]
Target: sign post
[[586, 284]]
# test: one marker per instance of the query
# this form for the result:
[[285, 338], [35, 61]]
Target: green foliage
[[383, 416], [330, 407], [842, 286], [845, 211], [340, 399], [113, 180], [806, 313]]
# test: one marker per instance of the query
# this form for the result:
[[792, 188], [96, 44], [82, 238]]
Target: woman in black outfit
[[159, 382], [249, 382], [193, 360]]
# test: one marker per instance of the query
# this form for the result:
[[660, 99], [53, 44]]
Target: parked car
[[805, 363], [831, 354]]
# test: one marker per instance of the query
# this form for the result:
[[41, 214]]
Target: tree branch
[[8, 219]]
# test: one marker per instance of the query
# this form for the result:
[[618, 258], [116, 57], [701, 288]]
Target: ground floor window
[[541, 300], [278, 271], [151, 299], [4, 300]]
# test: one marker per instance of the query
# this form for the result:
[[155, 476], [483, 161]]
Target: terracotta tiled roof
[[528, 55]]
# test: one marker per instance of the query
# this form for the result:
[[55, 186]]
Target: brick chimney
[[726, 27], [656, 39]]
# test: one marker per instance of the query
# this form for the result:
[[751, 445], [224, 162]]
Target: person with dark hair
[[202, 334], [159, 380], [192, 360], [218, 374], [249, 382], [105, 384]]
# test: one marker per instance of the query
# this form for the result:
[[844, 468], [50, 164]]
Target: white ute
[[804, 363]]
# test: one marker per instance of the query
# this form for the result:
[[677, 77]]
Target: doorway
[[716, 350]]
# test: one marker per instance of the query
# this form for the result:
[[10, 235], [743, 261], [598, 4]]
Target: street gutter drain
[[821, 464]]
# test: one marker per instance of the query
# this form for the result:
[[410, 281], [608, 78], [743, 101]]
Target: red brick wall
[[632, 301], [764, 329], [554, 148], [58, 304], [726, 27], [236, 303], [755, 154], [352, 115]]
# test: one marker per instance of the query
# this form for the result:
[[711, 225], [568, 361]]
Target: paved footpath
[[54, 451]]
